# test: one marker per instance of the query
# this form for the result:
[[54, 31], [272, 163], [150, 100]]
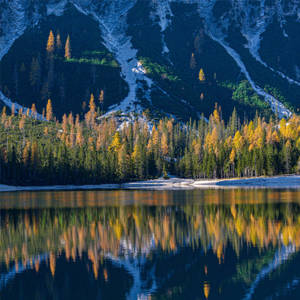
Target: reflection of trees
[[113, 230]]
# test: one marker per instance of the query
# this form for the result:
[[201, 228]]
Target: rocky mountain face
[[248, 51]]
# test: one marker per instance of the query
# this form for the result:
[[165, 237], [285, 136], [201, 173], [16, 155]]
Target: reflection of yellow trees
[[102, 231], [206, 289], [77, 199], [52, 262]]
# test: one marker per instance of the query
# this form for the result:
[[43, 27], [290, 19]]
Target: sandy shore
[[292, 181]]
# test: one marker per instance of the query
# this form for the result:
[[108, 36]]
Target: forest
[[115, 149]]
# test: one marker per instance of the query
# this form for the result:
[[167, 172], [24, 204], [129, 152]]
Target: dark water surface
[[197, 244]]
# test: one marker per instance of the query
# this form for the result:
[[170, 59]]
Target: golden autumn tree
[[65, 123], [13, 109], [164, 144], [33, 110], [22, 122], [49, 111], [92, 105], [90, 116], [238, 141], [68, 50], [116, 142], [79, 136], [50, 43], [201, 75]]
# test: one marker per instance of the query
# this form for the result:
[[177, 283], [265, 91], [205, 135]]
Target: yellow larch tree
[[68, 51], [116, 143], [33, 110], [164, 144], [50, 43], [238, 141], [201, 75], [49, 111], [79, 136]]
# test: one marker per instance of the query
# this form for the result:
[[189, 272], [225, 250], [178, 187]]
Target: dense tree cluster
[[101, 150]]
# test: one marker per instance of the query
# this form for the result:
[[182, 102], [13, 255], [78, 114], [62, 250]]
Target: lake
[[194, 244]]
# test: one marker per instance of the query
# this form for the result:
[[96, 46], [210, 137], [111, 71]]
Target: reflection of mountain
[[163, 248]]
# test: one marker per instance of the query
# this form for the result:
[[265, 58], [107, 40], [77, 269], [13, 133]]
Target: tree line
[[106, 150]]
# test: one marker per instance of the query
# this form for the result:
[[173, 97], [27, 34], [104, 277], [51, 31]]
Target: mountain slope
[[147, 55]]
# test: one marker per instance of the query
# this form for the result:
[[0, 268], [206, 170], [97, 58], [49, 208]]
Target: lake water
[[195, 244]]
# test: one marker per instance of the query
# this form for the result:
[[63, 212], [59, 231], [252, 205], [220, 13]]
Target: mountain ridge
[[236, 26]]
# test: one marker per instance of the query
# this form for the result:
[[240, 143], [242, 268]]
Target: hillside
[[169, 58]]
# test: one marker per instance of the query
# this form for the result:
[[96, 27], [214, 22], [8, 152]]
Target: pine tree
[[26, 154], [58, 41], [123, 163], [193, 62], [233, 123], [68, 50], [101, 98], [35, 73]]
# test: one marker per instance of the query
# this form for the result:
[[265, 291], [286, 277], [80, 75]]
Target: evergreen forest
[[114, 149]]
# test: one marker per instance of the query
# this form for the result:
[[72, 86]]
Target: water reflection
[[159, 245]]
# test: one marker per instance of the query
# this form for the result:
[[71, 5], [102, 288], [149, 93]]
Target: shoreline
[[281, 182]]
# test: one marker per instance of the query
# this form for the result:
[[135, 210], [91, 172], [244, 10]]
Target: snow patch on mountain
[[217, 34], [112, 19], [162, 10], [252, 28], [56, 8]]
